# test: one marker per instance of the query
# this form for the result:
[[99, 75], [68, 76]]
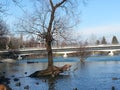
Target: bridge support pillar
[[19, 57], [65, 55], [111, 53], [93, 53]]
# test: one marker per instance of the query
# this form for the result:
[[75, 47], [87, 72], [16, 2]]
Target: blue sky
[[98, 18], [101, 18]]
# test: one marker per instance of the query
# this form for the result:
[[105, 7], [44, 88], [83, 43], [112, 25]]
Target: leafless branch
[[18, 3], [60, 3]]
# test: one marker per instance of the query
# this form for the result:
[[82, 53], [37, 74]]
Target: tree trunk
[[51, 69], [49, 51]]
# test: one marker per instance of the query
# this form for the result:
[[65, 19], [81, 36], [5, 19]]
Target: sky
[[98, 18], [101, 18]]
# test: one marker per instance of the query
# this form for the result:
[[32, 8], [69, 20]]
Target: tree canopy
[[49, 20]]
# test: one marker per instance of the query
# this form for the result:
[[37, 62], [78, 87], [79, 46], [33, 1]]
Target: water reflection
[[51, 83]]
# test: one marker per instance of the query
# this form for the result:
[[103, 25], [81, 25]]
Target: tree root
[[51, 71]]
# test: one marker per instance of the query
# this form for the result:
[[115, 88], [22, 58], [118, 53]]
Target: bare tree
[[14, 43], [83, 52], [3, 28], [2, 8], [50, 20], [3, 43], [3, 32]]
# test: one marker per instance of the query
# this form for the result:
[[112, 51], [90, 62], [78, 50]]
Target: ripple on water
[[96, 73]]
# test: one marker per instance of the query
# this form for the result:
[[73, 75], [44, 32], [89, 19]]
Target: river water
[[96, 73]]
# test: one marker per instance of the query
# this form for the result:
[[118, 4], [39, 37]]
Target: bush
[[13, 54]]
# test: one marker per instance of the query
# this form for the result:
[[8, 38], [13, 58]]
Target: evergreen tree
[[103, 40], [97, 42], [114, 40]]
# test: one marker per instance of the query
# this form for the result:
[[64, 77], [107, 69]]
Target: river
[[96, 73]]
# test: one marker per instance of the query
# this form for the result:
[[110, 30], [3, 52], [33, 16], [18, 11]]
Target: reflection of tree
[[79, 66], [51, 83], [82, 65]]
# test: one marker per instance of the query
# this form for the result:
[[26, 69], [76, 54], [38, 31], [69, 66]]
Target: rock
[[25, 72], [29, 62], [16, 79], [1, 62], [115, 78], [44, 80], [37, 83], [26, 87], [12, 76], [3, 79], [4, 72], [18, 84], [113, 88], [4, 87], [75, 89]]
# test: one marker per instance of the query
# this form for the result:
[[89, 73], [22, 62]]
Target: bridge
[[66, 50]]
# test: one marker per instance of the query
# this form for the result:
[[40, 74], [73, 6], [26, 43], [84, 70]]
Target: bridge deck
[[68, 49]]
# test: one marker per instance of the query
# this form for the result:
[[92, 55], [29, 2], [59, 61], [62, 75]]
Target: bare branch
[[52, 6], [3, 28], [60, 3], [17, 3]]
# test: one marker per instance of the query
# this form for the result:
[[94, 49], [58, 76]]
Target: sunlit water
[[97, 73]]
